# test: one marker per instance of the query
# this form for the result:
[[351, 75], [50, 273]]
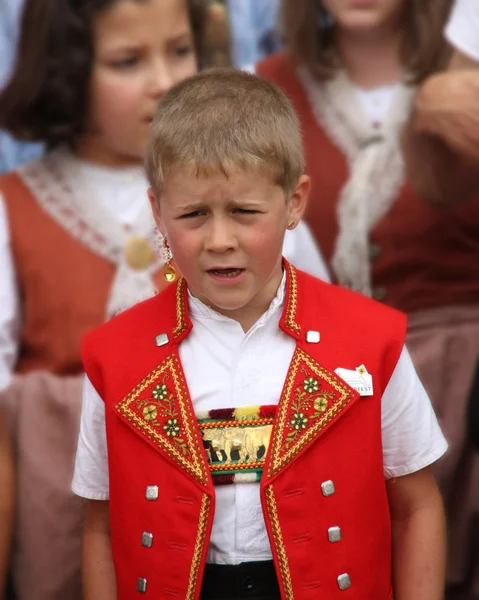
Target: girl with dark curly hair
[[77, 238], [352, 69]]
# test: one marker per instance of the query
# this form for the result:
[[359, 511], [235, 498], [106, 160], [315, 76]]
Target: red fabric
[[428, 257], [354, 331]]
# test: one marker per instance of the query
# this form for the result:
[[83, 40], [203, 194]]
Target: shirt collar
[[199, 310]]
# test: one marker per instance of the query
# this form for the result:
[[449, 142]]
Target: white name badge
[[359, 379]]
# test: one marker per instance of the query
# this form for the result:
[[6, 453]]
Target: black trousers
[[247, 581]]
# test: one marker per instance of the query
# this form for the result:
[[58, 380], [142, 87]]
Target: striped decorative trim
[[181, 309], [236, 441], [199, 547], [241, 413], [279, 546], [291, 305]]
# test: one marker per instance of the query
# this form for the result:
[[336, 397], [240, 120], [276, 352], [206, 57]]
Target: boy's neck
[[372, 60], [248, 315]]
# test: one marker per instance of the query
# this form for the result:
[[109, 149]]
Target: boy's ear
[[155, 208], [299, 199]]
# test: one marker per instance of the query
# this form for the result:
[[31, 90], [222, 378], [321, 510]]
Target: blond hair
[[424, 49], [224, 120]]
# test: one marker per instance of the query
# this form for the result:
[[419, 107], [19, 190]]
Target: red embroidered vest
[[325, 475]]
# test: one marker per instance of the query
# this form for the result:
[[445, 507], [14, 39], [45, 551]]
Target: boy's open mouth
[[231, 272]]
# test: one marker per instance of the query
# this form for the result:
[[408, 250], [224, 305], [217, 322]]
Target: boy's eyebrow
[[190, 206]]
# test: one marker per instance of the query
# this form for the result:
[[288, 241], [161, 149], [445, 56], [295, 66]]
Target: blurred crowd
[[387, 93]]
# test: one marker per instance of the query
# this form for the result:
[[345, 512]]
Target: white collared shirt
[[227, 368]]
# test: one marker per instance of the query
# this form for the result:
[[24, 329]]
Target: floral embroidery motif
[[172, 429], [309, 394], [150, 413], [160, 392], [312, 398], [159, 407], [311, 385], [160, 411], [321, 404], [299, 421]]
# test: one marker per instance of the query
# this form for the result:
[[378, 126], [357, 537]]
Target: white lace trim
[[376, 168], [59, 185]]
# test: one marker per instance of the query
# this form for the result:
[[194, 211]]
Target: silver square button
[[344, 581], [147, 539], [152, 492], [313, 337], [327, 487], [141, 585], [334, 534], [162, 339]]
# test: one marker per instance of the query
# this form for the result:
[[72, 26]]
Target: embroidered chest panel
[[236, 445], [160, 409], [313, 397], [236, 442]]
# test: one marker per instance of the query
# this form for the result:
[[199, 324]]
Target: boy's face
[[226, 236]]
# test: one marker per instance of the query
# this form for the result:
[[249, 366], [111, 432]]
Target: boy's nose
[[220, 238]]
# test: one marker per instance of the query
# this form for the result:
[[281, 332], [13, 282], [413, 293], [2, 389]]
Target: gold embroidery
[[160, 409], [180, 309], [292, 301], [312, 398], [199, 546], [278, 542]]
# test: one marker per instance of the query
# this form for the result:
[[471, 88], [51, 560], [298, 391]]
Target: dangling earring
[[292, 224], [170, 272]]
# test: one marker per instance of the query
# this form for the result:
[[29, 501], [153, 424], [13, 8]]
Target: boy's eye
[[125, 63], [246, 211], [190, 215]]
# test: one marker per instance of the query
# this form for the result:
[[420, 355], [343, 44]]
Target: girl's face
[[365, 15], [142, 49]]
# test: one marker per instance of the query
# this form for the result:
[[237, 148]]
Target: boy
[[299, 395]]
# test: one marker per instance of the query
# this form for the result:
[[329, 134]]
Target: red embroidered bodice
[[323, 474]]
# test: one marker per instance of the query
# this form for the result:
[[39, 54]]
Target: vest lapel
[[159, 407], [313, 397]]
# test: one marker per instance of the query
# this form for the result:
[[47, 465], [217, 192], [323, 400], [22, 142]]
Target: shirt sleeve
[[9, 305], [412, 438], [462, 30], [301, 250], [91, 478]]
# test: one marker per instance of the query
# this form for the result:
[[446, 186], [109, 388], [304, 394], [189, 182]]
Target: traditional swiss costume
[[227, 461]]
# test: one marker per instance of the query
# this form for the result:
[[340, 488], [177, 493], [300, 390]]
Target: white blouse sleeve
[[301, 250], [91, 476], [462, 30], [9, 304], [412, 438]]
